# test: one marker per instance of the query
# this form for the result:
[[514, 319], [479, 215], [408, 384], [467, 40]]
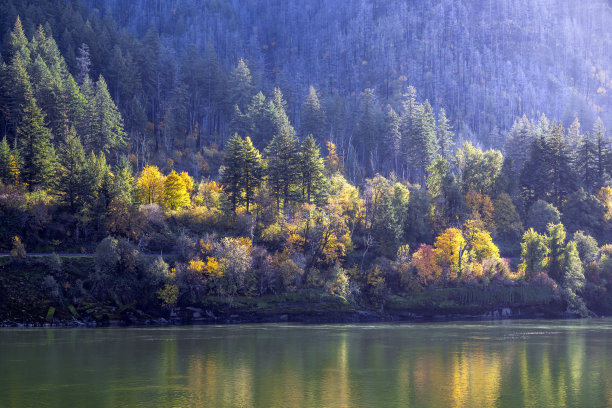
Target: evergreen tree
[[240, 86], [424, 143], [109, 124], [556, 246], [242, 171], [534, 250], [253, 170], [573, 273], [314, 120], [392, 138], [283, 167], [519, 142], [71, 177], [561, 179], [445, 135], [602, 154], [5, 161], [38, 155], [586, 162], [18, 43], [312, 171]]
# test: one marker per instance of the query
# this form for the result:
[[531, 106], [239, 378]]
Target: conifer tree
[[283, 170], [109, 124], [534, 250], [38, 155], [240, 85], [18, 43], [5, 161], [573, 272], [424, 143], [445, 135], [556, 246], [602, 154], [392, 138], [71, 177], [253, 170], [314, 120], [232, 170], [312, 170], [243, 171]]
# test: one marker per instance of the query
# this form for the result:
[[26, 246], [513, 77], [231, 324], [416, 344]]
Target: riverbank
[[34, 293]]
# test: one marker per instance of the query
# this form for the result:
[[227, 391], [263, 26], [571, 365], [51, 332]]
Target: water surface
[[475, 364]]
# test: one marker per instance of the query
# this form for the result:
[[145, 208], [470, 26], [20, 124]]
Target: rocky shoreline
[[199, 316]]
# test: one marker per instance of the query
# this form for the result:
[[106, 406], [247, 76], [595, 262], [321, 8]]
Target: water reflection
[[531, 364]]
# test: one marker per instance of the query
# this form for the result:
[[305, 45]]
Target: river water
[[528, 363]]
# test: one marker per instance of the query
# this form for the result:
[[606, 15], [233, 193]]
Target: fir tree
[[5, 161], [312, 171], [314, 120], [573, 273], [253, 170], [282, 171], [72, 160], [240, 86], [445, 135], [392, 138], [39, 162]]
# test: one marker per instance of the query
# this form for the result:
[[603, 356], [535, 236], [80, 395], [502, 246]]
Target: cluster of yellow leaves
[[605, 196], [172, 191]]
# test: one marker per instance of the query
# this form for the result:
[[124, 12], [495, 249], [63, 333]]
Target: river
[[512, 363]]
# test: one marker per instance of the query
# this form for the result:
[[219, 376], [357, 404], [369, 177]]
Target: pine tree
[[573, 273], [586, 162], [314, 120], [534, 250], [240, 86], [253, 171], [282, 156], [559, 170], [39, 162], [232, 170], [110, 134], [424, 143], [445, 135], [556, 246], [72, 160], [83, 63], [18, 43], [312, 171], [602, 154], [392, 138], [243, 171], [5, 161], [367, 130]]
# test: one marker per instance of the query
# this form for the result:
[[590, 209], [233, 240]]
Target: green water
[[507, 364]]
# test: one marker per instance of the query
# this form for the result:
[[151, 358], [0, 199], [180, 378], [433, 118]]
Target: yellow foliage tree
[[188, 181], [175, 192], [449, 249], [605, 196], [150, 186]]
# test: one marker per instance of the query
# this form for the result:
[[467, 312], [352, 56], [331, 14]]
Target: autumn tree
[[150, 186], [175, 192]]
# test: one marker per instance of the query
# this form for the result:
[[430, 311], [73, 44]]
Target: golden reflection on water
[[308, 367]]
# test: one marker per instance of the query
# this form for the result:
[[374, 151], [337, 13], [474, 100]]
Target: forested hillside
[[372, 150]]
